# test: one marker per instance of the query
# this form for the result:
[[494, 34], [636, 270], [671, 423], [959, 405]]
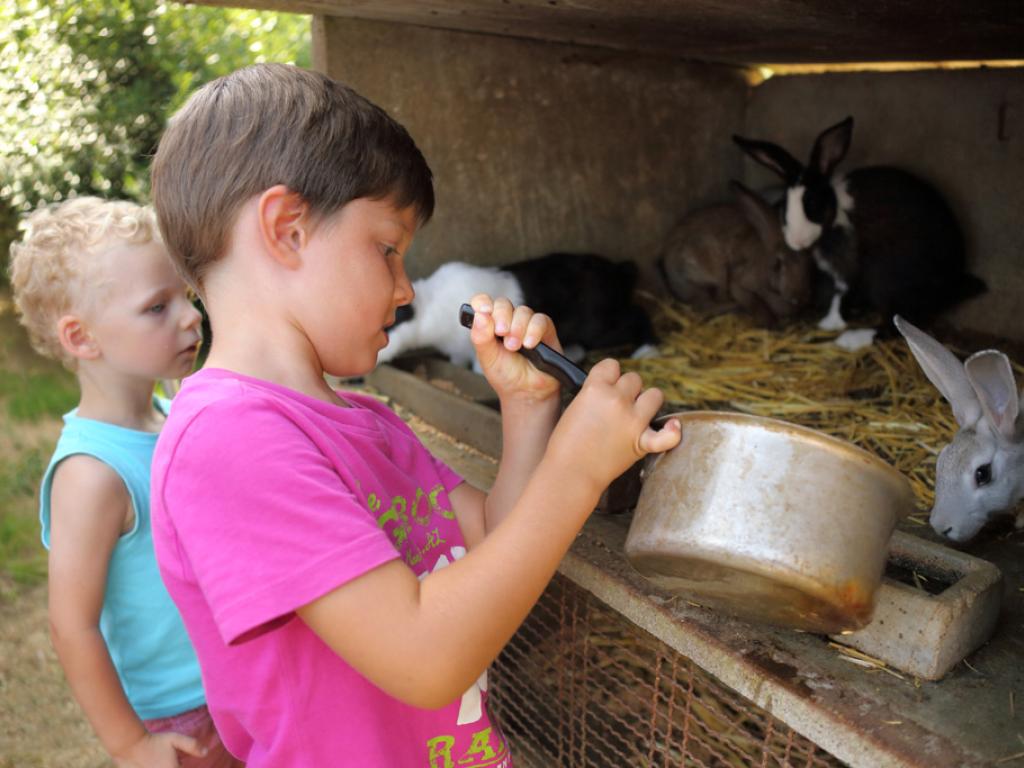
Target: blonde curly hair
[[51, 271]]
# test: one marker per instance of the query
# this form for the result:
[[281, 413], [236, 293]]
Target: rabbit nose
[[946, 532]]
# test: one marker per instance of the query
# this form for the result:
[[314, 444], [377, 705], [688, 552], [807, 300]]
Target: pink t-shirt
[[265, 499]]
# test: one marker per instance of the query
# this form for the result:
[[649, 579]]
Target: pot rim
[[807, 434]]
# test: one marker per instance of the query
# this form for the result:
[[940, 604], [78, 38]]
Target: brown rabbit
[[734, 255]]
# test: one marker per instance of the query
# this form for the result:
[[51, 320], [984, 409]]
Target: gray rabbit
[[981, 472]]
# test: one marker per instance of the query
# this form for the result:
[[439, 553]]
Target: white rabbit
[[434, 317], [981, 472], [588, 297]]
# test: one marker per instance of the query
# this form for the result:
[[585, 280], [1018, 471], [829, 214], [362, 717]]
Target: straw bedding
[[877, 398]]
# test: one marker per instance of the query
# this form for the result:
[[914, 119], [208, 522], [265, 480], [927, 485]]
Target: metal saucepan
[[759, 517]]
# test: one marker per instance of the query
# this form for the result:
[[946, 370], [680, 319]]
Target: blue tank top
[[141, 625]]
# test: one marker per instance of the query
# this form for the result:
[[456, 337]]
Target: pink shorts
[[198, 724]]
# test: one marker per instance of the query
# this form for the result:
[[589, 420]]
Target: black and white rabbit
[[887, 238], [589, 297]]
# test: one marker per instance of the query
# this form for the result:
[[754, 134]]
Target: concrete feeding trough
[[948, 609]]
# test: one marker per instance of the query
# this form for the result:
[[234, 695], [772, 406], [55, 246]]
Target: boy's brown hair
[[274, 124]]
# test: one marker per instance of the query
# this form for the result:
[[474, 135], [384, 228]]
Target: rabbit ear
[[761, 215], [830, 147], [991, 376], [944, 371], [772, 156]]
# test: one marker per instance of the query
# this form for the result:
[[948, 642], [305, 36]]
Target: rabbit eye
[[983, 475]]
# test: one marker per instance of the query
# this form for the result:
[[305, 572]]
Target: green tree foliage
[[86, 87]]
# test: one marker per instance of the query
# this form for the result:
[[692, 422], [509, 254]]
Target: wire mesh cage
[[581, 686]]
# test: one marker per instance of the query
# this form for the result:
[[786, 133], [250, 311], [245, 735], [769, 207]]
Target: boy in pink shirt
[[344, 590]]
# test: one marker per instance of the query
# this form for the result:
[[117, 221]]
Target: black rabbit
[[887, 238]]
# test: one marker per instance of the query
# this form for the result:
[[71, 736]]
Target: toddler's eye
[[388, 250], [156, 309]]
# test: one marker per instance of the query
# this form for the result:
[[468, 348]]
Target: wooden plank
[[468, 383], [725, 31], [465, 420]]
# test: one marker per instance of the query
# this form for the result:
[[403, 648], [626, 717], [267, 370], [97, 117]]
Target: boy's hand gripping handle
[[543, 358]]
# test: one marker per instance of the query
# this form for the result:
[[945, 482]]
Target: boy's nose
[[404, 292]]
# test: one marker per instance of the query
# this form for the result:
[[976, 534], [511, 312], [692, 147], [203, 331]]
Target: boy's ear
[[284, 224], [75, 338]]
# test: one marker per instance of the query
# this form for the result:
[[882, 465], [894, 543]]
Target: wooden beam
[[728, 31]]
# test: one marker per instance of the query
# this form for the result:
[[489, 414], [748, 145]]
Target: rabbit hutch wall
[[593, 127]]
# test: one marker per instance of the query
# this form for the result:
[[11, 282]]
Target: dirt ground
[[41, 726]]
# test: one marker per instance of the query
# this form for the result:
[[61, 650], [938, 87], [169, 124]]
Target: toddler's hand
[[608, 426], [506, 370], [159, 750]]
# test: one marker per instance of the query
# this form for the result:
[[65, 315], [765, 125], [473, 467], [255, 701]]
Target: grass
[[22, 558], [34, 393]]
